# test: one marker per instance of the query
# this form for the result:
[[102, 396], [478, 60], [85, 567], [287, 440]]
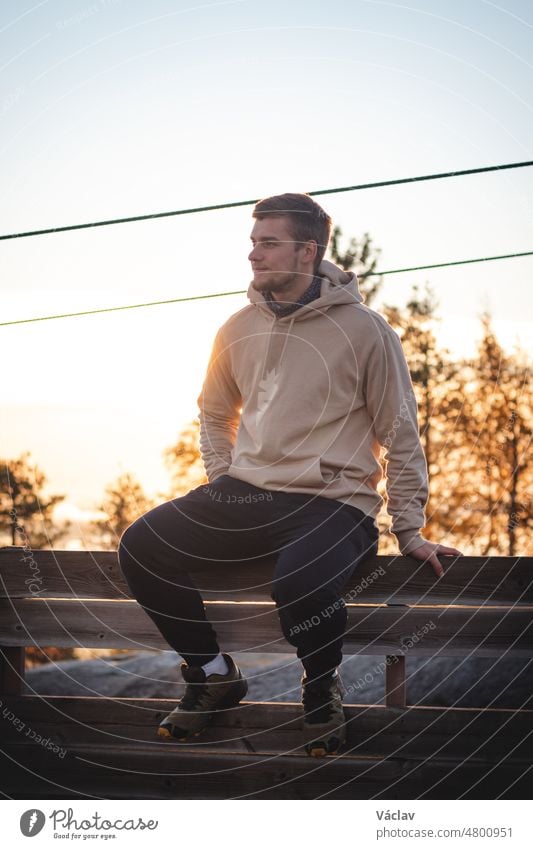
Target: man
[[304, 386]]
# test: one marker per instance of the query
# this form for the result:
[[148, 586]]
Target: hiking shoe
[[324, 722], [203, 696]]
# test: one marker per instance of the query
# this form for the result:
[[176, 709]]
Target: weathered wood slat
[[400, 580], [12, 670], [452, 631], [373, 731], [147, 772], [395, 684]]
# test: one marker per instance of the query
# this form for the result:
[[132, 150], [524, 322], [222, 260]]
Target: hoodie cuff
[[409, 541], [218, 474]]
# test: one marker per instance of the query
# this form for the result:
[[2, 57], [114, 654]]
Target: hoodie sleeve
[[219, 403], [391, 404]]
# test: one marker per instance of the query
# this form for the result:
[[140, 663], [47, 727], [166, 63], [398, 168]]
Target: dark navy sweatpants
[[317, 543]]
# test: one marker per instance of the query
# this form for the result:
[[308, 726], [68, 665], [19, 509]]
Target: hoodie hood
[[338, 287]]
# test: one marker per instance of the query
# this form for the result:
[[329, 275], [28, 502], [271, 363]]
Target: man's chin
[[260, 284]]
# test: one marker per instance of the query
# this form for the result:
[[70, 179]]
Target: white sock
[[216, 666]]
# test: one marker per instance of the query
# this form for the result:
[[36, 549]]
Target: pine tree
[[26, 514], [125, 500], [497, 430], [184, 460], [361, 257]]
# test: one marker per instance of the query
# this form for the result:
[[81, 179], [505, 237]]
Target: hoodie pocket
[[329, 473], [305, 471]]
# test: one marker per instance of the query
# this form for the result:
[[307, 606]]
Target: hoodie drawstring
[[265, 359], [289, 331]]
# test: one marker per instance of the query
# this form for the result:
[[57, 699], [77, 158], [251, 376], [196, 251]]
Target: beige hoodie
[[303, 403]]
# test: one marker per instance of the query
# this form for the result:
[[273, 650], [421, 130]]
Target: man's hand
[[428, 552]]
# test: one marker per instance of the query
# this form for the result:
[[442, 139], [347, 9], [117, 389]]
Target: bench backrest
[[482, 605]]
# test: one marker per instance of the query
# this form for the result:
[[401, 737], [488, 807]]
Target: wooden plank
[[156, 772], [395, 688], [82, 574], [382, 579], [12, 668], [255, 627], [394, 754], [373, 731]]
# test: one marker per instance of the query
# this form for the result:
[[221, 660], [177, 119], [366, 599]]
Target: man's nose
[[254, 253]]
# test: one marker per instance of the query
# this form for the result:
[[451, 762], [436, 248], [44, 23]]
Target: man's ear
[[311, 249]]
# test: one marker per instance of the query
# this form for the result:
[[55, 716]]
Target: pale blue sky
[[116, 108]]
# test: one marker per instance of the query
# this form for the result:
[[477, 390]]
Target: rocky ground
[[445, 682]]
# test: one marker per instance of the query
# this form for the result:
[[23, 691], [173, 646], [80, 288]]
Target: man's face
[[278, 262]]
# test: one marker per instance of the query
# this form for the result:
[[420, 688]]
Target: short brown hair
[[308, 220]]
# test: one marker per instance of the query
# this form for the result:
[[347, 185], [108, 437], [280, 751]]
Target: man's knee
[[132, 543], [290, 592], [285, 590], [304, 600]]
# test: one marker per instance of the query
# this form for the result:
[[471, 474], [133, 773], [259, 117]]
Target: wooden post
[[12, 667], [395, 681]]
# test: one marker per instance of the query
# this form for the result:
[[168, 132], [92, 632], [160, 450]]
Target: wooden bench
[[108, 747]]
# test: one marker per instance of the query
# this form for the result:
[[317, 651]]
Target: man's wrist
[[409, 540], [218, 474]]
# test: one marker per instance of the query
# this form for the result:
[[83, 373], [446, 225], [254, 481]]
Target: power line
[[233, 204], [445, 264], [243, 291], [126, 307]]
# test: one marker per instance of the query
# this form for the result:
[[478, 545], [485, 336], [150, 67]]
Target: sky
[[116, 108]]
